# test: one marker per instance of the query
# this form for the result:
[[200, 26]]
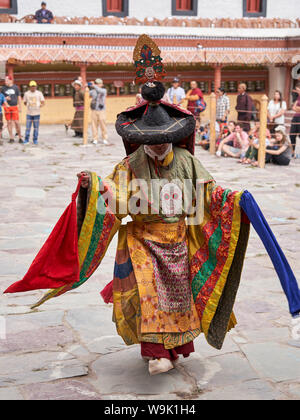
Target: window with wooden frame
[[185, 7], [254, 8], [9, 6], [115, 8]]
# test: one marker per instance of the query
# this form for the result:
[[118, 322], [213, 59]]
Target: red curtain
[[184, 5], [4, 4], [114, 5], [254, 6]]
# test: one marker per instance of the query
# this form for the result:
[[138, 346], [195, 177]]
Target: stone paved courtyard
[[69, 349]]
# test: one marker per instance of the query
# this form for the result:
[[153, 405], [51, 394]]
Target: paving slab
[[219, 371], [61, 390], [37, 339], [274, 360], [10, 394], [91, 323], [249, 390], [39, 367], [126, 372]]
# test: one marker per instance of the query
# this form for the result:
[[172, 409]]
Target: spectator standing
[[34, 100], [295, 127], [193, 95], [244, 107], [223, 106], [276, 110], [78, 103], [2, 102], [43, 15], [240, 143], [13, 100], [98, 94], [176, 94]]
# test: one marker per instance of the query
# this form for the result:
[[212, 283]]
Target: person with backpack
[[98, 94], [244, 107], [195, 99]]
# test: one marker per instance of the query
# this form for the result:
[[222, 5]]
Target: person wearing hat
[[162, 285], [98, 94], [176, 93], [33, 100], [78, 103], [179, 260]]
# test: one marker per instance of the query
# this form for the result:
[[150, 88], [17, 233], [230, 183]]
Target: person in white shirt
[[34, 100], [276, 110], [176, 93]]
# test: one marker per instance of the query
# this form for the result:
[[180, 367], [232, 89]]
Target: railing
[[171, 21]]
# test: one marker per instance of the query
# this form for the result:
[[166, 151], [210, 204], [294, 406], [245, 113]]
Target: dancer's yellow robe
[[146, 307]]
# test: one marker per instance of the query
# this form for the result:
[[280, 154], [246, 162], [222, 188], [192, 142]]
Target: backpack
[[200, 106]]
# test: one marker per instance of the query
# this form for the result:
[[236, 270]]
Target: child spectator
[[252, 152], [202, 135]]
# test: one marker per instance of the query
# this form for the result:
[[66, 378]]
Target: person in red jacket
[[193, 95]]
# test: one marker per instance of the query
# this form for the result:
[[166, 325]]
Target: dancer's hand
[[85, 179]]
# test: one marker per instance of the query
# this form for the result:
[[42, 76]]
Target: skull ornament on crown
[[171, 199]]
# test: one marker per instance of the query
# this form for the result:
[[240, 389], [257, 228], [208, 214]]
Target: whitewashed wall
[[159, 8]]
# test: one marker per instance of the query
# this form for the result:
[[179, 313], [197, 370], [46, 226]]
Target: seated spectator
[[239, 146], [252, 152], [281, 152], [276, 110], [203, 137], [225, 130], [43, 15], [255, 131]]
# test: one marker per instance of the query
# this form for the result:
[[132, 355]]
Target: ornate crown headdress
[[147, 61]]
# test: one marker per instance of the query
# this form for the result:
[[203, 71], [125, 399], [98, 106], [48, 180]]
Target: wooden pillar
[[10, 70], [218, 76], [212, 139], [83, 69], [86, 115], [262, 131], [287, 86]]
